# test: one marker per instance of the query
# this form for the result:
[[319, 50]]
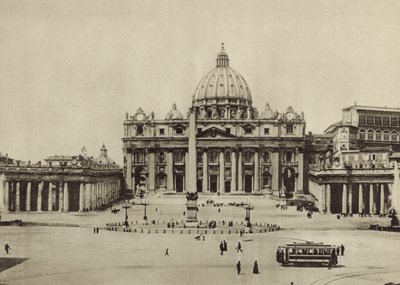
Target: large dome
[[222, 85]]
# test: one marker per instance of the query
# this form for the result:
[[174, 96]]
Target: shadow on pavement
[[8, 262]]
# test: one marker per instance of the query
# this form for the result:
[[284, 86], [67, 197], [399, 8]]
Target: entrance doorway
[[248, 183], [227, 187], [213, 183], [179, 183], [199, 185]]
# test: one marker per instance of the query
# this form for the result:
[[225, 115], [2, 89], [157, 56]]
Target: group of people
[[255, 268], [340, 250], [96, 230], [223, 246]]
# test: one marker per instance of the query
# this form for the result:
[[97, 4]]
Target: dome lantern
[[222, 58]]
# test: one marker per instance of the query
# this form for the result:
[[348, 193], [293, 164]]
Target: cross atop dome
[[222, 57]]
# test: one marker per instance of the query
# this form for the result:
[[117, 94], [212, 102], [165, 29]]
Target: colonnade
[[61, 196], [350, 198]]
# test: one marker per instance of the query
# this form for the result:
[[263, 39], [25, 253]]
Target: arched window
[[378, 135], [266, 156], [362, 135], [394, 136], [370, 135], [386, 135], [213, 156]]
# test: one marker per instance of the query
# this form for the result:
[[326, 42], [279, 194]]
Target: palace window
[[386, 121], [378, 135], [266, 131], [139, 130], [139, 157], [394, 136], [162, 131], [394, 121], [370, 135], [370, 119], [378, 120], [386, 136], [363, 119], [228, 130], [289, 156], [362, 134], [179, 131], [266, 156], [289, 129]]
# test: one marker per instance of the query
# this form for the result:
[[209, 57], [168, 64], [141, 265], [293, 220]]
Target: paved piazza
[[74, 255]]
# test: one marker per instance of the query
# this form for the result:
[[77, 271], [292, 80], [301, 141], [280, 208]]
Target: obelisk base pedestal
[[191, 213]]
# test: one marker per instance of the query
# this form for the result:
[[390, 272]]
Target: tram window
[[304, 251], [320, 251], [299, 251], [310, 251], [327, 251], [291, 251]]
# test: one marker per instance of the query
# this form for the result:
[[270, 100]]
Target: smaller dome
[[103, 158], [267, 113], [174, 114]]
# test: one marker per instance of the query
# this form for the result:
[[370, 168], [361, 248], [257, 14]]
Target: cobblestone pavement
[[74, 255]]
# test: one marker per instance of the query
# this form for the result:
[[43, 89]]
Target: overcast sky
[[69, 70]]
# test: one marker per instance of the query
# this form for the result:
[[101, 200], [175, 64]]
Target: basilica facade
[[223, 144]]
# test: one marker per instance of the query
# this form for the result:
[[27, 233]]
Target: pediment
[[214, 133]]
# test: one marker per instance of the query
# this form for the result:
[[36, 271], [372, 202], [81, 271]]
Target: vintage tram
[[307, 254]]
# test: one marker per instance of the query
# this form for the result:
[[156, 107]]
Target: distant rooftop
[[372, 108]]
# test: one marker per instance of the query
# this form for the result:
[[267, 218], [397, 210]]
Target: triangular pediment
[[214, 132]]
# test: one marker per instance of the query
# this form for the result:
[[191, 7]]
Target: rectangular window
[[370, 119], [289, 129], [363, 119], [266, 131], [162, 132], [378, 120], [394, 121], [228, 130], [386, 121]]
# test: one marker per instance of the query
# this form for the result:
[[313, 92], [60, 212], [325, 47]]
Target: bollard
[[164, 231], [214, 232], [229, 232], [222, 231], [149, 231], [189, 232], [156, 231], [181, 231], [135, 230], [141, 231]]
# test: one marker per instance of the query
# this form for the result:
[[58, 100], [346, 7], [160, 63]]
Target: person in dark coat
[[166, 252], [342, 249], [225, 246], [238, 267], [221, 248], [337, 251], [7, 248], [255, 268], [97, 229], [239, 247]]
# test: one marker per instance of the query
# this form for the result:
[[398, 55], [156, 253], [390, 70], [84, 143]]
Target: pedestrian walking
[[97, 230], [225, 246], [7, 248], [166, 252], [337, 251], [94, 230], [221, 248], [238, 267], [239, 247], [255, 268], [342, 249]]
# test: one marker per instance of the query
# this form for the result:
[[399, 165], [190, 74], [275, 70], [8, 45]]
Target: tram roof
[[308, 244]]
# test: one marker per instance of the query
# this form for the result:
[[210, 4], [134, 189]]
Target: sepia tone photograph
[[200, 142]]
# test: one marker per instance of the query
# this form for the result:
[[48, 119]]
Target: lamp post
[[145, 204], [248, 208], [126, 223]]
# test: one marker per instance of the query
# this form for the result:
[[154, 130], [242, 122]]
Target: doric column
[[275, 172], [18, 197], [205, 172], [322, 197], [350, 195], [81, 197], [60, 197], [39, 196], [328, 198], [93, 196], [300, 167], [233, 169], [256, 171], [28, 196], [222, 172], [170, 173], [128, 174], [88, 196], [66, 198], [240, 172], [382, 202], [7, 196], [371, 198], [344, 199], [360, 198], [50, 201]]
